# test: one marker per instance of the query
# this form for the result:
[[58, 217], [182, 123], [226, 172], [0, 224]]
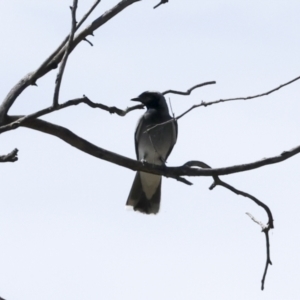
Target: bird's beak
[[136, 99]]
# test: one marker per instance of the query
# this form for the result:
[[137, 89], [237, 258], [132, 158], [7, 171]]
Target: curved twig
[[188, 92], [265, 229]]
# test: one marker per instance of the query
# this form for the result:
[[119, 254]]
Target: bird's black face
[[151, 99]]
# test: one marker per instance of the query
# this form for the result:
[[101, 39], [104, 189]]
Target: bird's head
[[154, 100]]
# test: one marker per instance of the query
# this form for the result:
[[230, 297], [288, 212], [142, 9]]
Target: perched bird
[[154, 141]]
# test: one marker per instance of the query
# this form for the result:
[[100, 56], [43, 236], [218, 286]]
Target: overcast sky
[[64, 229]]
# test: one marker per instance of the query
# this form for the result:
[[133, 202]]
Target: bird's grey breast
[[156, 135]]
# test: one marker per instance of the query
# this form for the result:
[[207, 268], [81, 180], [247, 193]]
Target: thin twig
[[268, 260], [216, 101], [67, 52], [90, 43], [263, 226], [239, 98], [87, 14], [188, 92], [10, 157], [160, 3], [170, 104]]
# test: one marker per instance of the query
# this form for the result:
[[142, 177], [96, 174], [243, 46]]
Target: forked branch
[[265, 228], [111, 109]]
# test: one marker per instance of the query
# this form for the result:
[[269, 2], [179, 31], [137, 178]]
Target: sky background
[[64, 229]]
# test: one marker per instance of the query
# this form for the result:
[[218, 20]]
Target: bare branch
[[87, 14], [268, 260], [218, 181], [173, 172], [66, 54], [10, 157], [265, 229], [188, 92], [55, 58], [160, 3], [214, 102], [239, 98], [36, 74], [87, 147], [111, 109]]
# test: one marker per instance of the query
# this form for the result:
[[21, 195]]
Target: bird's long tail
[[145, 192]]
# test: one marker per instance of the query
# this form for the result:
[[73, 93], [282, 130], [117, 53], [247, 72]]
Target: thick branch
[[56, 57], [10, 157], [174, 172]]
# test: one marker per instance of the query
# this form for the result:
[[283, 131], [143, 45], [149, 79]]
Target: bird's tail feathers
[[137, 197]]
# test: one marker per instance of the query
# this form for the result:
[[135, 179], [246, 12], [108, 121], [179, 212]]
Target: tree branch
[[10, 157], [38, 72], [239, 98], [54, 59], [265, 229], [173, 172], [160, 3], [66, 54], [111, 109], [188, 92]]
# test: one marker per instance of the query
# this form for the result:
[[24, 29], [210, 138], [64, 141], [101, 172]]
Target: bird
[[155, 136]]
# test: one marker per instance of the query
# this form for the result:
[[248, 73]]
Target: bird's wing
[[138, 133], [175, 134]]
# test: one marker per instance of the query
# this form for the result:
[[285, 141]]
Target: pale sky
[[64, 229]]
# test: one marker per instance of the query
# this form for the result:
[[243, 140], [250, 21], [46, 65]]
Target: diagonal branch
[[160, 3], [38, 72], [66, 54], [87, 14], [10, 157], [53, 61]]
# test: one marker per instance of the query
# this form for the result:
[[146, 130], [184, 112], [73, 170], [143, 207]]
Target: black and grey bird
[[155, 138]]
